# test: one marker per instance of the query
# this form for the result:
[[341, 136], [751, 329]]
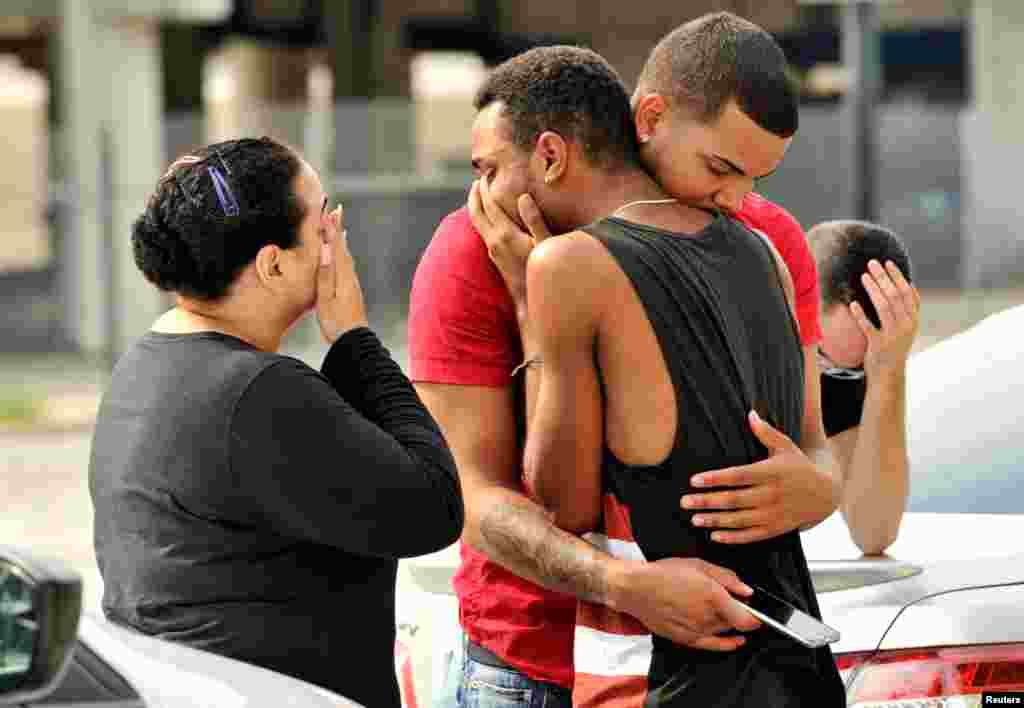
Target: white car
[[940, 618], [50, 655]]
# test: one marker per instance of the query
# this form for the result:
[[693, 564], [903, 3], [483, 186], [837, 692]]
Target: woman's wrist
[[349, 348]]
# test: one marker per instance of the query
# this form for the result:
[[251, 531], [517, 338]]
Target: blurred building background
[[98, 96]]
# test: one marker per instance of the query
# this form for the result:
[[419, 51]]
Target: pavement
[[49, 392], [44, 494]]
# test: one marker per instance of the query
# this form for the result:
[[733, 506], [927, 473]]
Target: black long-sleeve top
[[249, 505]]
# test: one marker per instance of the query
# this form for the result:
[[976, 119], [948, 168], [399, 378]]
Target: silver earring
[[645, 138]]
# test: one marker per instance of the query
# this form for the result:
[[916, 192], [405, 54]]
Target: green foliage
[[18, 409]]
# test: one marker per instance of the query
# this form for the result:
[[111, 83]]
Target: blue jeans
[[470, 684]]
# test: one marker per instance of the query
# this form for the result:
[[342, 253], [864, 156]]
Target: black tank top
[[717, 306]]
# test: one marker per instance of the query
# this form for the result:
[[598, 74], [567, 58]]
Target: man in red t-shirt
[[520, 575]]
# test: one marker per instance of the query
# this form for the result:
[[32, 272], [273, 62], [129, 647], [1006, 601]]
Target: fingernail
[[325, 254], [717, 536], [698, 480], [699, 521], [746, 589], [754, 417], [687, 503]]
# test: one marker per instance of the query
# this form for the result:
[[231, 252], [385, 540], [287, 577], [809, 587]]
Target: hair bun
[[162, 256]]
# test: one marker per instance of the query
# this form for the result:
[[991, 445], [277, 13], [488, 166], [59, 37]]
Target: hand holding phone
[[787, 619]]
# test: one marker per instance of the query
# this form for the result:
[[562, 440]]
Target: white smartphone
[[791, 621]]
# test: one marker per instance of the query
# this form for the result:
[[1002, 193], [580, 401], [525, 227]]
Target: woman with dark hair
[[245, 503]]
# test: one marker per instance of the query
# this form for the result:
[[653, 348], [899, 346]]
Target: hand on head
[[339, 296], [897, 303]]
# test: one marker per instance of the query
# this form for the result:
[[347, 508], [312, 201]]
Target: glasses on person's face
[[831, 369]]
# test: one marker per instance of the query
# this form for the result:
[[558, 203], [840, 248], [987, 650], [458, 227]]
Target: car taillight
[[935, 676]]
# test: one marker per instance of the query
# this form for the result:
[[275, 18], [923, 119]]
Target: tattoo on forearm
[[521, 538]]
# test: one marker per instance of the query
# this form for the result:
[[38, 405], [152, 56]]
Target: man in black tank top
[[713, 296]]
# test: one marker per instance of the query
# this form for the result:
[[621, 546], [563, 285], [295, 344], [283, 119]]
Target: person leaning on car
[[245, 503], [869, 314]]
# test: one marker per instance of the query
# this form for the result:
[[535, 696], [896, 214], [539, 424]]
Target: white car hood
[[169, 675], [951, 551], [924, 537]]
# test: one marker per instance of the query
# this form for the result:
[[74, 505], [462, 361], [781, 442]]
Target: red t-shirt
[[463, 330], [785, 233]]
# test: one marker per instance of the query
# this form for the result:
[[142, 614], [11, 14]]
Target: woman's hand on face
[[339, 296]]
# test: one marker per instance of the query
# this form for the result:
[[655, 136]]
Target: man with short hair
[[870, 318], [520, 575], [657, 330]]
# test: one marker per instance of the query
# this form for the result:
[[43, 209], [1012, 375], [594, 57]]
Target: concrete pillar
[[134, 130], [113, 154], [350, 47], [111, 148], [443, 87], [861, 52], [253, 88], [992, 146], [83, 105], [24, 181], [318, 138]]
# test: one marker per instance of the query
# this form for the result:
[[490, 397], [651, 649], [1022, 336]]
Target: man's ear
[[554, 155], [649, 109], [268, 266]]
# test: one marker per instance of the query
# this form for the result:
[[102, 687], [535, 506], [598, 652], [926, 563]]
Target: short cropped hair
[[571, 91], [703, 64], [191, 240], [842, 250]]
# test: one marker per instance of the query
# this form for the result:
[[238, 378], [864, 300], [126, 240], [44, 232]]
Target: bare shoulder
[[566, 254], [571, 273]]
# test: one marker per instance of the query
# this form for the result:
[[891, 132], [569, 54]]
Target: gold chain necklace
[[638, 202]]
